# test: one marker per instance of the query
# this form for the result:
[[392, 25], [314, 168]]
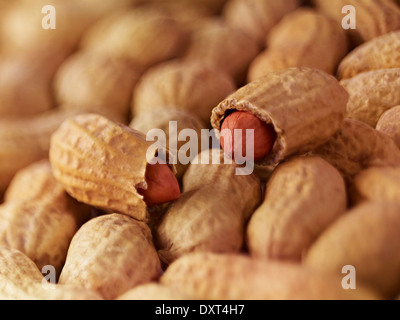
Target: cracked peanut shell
[[305, 106], [101, 163]]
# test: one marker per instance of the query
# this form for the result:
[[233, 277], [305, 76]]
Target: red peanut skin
[[162, 185], [264, 134]]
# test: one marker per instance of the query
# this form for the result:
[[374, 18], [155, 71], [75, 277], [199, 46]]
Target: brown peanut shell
[[372, 93], [193, 87], [20, 279], [154, 119], [375, 184], [303, 38], [366, 238], [389, 124], [206, 218], [111, 254], [257, 17], [303, 197], [373, 17], [152, 291], [305, 106], [101, 163], [234, 277], [379, 53], [356, 147]]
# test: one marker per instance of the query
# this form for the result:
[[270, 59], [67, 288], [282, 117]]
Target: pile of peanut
[[85, 216]]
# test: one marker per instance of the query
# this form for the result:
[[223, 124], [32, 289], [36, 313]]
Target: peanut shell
[[379, 53], [101, 163], [305, 106], [372, 93], [193, 87], [96, 81], [111, 254], [25, 141], [216, 43], [144, 36], [356, 147], [389, 124], [257, 17], [303, 38], [20, 279], [152, 291], [154, 119], [366, 238], [373, 17], [207, 276], [303, 197], [39, 218], [206, 220], [375, 184]]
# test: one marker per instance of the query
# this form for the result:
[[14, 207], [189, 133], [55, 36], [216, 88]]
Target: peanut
[[304, 38], [372, 93], [20, 279], [389, 124], [305, 106], [373, 17], [303, 197], [216, 43], [356, 147], [379, 53], [257, 17], [152, 291], [154, 119], [202, 220], [162, 185], [376, 183], [25, 141], [113, 182], [143, 36], [366, 238], [193, 87], [264, 135], [96, 81], [117, 271], [39, 218], [235, 277]]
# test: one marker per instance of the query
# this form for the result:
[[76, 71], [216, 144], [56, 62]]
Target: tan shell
[[373, 17], [154, 119], [305, 106], [211, 213], [372, 93], [144, 36], [209, 276], [96, 81], [24, 141], [303, 197], [101, 163], [389, 124], [257, 17], [25, 88], [216, 43], [375, 183], [304, 38], [20, 279], [152, 291], [111, 254], [214, 6], [39, 218], [193, 87], [23, 31], [366, 238], [379, 53], [356, 147]]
